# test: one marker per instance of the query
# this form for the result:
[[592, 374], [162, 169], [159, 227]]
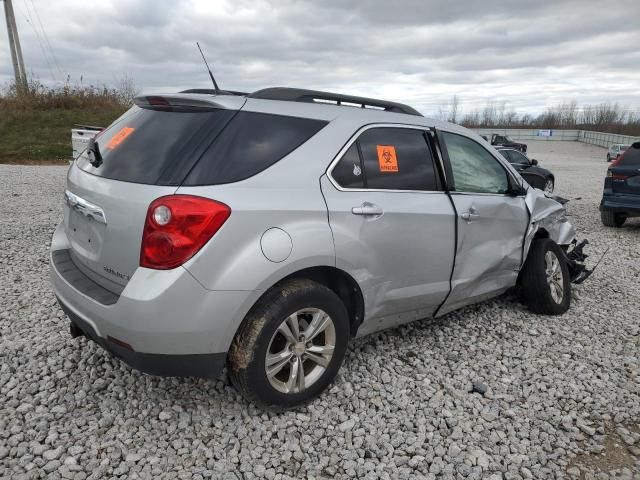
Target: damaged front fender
[[548, 214]]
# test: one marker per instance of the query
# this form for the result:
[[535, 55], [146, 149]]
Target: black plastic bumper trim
[[202, 365], [68, 270], [631, 210]]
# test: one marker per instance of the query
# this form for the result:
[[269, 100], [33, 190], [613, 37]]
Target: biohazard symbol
[[387, 159]]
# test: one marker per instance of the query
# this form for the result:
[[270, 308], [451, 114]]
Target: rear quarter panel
[[286, 196], [234, 259]]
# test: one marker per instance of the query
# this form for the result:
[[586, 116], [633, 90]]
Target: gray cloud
[[528, 54]]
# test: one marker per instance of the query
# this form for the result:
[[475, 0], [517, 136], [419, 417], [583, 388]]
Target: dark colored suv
[[621, 196]]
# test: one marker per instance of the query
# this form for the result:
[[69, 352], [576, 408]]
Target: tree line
[[602, 117]]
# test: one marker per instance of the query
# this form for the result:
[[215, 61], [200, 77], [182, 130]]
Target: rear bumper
[[173, 325], [206, 365], [628, 204]]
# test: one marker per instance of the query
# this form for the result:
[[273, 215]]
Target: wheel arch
[[337, 280], [341, 283], [541, 233]]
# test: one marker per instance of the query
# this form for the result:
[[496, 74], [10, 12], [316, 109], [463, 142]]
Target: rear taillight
[[616, 161], [177, 227], [616, 176]]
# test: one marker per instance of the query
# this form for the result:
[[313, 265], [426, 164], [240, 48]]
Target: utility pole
[[14, 45]]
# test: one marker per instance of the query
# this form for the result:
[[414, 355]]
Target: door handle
[[470, 215], [367, 209]]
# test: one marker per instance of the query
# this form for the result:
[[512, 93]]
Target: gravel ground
[[562, 398]]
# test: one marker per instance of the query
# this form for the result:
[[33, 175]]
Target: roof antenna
[[215, 85]]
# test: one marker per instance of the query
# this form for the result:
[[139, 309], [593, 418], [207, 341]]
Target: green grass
[[44, 136], [36, 122]]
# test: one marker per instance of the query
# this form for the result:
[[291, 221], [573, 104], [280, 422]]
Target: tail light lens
[[177, 227], [616, 161], [616, 176]]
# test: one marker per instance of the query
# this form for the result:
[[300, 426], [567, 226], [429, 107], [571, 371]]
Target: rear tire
[[267, 342], [611, 219], [608, 157], [545, 284]]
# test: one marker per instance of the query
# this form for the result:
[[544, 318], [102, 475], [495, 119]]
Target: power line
[[29, 19], [46, 38]]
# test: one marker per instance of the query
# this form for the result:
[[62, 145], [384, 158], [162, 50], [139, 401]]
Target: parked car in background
[[264, 231], [505, 141], [621, 195], [615, 151], [534, 174]]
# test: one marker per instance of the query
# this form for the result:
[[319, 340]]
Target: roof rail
[[211, 91], [314, 96]]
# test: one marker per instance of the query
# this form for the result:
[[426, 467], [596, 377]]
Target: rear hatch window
[[156, 147], [631, 157]]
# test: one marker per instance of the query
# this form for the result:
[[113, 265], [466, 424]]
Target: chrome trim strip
[[485, 194], [84, 207]]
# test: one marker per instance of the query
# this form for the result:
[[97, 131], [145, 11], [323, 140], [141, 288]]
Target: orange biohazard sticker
[[119, 137], [387, 159]]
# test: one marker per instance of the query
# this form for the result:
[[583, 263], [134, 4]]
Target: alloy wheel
[[300, 350], [555, 278]]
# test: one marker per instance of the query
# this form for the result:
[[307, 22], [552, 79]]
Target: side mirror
[[534, 161]]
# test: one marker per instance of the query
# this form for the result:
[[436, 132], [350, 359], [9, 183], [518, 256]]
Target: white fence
[[605, 139], [595, 138]]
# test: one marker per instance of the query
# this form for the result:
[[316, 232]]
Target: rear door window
[[154, 146], [348, 171], [249, 144], [391, 159]]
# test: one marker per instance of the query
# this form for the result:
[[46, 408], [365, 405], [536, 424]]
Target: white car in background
[[80, 136], [615, 151]]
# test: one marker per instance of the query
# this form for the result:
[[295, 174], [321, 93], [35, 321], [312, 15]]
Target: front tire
[[290, 346], [544, 279], [608, 157], [611, 219]]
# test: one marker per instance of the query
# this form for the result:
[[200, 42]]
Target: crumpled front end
[[548, 214]]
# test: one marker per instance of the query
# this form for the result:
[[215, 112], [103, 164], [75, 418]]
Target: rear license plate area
[[82, 230]]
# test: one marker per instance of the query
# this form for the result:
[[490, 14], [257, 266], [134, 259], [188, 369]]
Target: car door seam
[[444, 163]]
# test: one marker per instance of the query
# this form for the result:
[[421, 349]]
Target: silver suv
[[262, 232]]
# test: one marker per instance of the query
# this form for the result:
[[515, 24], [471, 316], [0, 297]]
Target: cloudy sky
[[529, 54]]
